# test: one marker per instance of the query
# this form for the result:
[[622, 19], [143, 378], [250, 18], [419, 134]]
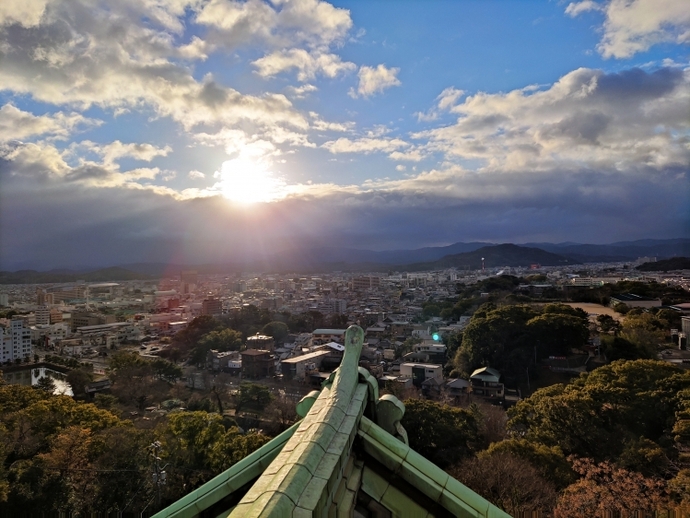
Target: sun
[[247, 182]]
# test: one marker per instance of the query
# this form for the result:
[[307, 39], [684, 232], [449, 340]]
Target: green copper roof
[[348, 450]]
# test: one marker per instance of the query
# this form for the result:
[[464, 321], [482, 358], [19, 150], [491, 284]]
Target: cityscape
[[331, 258]]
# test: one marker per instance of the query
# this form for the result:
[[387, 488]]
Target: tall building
[[212, 306], [42, 315], [15, 342], [365, 282]]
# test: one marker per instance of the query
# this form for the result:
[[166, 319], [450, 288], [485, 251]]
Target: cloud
[[309, 22], [589, 118], [364, 145], [196, 174], [19, 124], [633, 26], [445, 101], [130, 52], [576, 8], [308, 64], [116, 150], [27, 13], [375, 80], [302, 91]]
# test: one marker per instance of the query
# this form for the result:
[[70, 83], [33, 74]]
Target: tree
[[253, 396], [492, 335], [618, 348], [78, 379], [220, 340], [607, 324], [599, 413], [506, 481], [282, 411], [278, 330], [549, 461], [46, 384], [606, 488], [645, 331], [441, 433], [557, 333]]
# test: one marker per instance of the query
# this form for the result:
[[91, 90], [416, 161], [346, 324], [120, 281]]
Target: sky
[[207, 131]]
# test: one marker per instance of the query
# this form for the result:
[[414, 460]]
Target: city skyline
[[206, 131]]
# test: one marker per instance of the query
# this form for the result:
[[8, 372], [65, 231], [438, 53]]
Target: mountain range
[[325, 259]]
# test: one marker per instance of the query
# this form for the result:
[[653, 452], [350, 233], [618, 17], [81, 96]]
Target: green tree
[[549, 461], [78, 379], [645, 331], [440, 433], [278, 330], [253, 395], [46, 384], [220, 340], [556, 334], [598, 414]]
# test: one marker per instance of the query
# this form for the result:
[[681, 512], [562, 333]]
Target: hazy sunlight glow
[[246, 181]]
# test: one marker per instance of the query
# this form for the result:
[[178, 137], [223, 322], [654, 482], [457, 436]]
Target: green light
[[435, 336]]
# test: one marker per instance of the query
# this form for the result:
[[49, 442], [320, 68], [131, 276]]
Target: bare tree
[[508, 482]]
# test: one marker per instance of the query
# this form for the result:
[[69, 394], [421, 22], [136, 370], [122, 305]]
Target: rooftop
[[347, 453]]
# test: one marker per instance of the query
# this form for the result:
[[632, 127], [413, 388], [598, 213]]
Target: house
[[300, 367], [257, 364], [458, 389], [263, 342], [348, 456], [486, 383], [419, 372], [323, 336]]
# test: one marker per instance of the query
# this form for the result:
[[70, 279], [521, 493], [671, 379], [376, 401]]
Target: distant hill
[[665, 265], [102, 275], [619, 251], [328, 259], [495, 257]]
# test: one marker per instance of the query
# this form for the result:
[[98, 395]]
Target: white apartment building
[[15, 342]]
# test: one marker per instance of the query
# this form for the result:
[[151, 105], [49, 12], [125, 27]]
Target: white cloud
[[633, 26], [308, 64], [27, 13], [19, 124], [621, 121], [375, 80], [302, 91], [364, 145], [576, 8], [196, 174], [309, 22], [445, 101]]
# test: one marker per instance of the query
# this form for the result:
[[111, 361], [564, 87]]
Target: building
[[300, 367], [420, 372], [264, 342], [365, 282], [486, 383], [42, 316], [212, 306], [323, 336], [15, 342], [84, 318], [634, 301], [257, 364], [348, 456]]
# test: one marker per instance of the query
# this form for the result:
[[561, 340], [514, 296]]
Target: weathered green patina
[[348, 456]]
